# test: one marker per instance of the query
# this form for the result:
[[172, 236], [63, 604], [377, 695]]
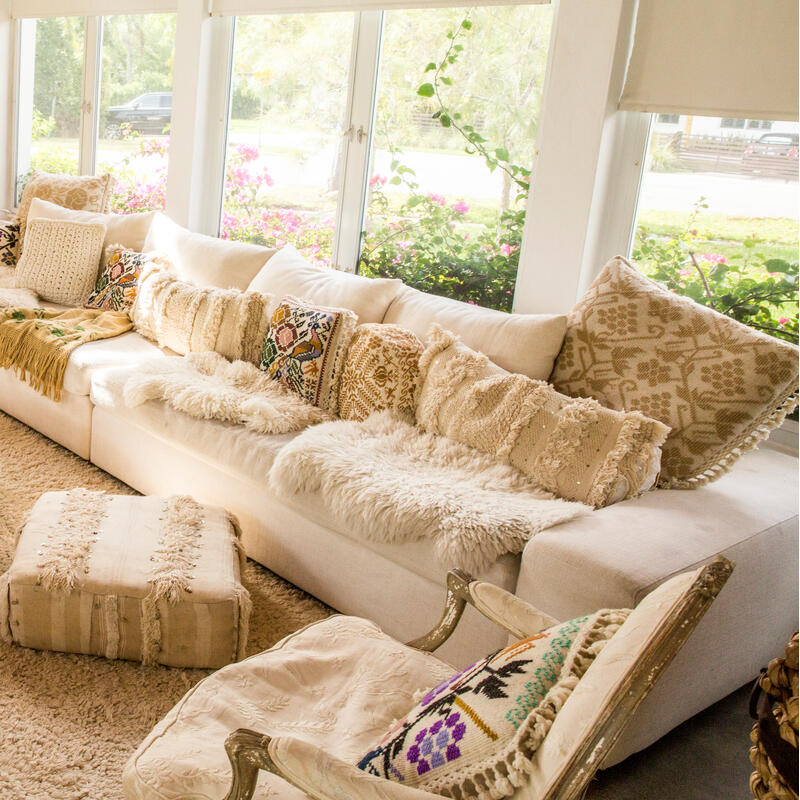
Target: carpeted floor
[[68, 722]]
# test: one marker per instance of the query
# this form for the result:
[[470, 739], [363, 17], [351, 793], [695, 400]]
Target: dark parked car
[[148, 113], [772, 153]]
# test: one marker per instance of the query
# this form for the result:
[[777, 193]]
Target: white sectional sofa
[[611, 557]]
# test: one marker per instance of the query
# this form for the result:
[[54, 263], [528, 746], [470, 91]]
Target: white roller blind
[[722, 58], [247, 7], [27, 9]]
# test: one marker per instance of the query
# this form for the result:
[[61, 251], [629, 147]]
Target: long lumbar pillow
[[574, 448]]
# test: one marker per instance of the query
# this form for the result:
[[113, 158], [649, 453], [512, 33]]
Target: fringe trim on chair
[[243, 602]]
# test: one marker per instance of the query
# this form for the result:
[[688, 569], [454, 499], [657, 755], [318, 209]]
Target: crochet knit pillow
[[574, 448], [381, 371], [475, 734], [305, 349], [60, 260], [118, 283]]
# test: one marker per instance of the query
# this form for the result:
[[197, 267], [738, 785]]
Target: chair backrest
[[593, 717]]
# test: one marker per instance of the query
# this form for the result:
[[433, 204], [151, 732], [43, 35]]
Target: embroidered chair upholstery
[[309, 765]]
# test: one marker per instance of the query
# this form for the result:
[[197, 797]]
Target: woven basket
[[773, 704]]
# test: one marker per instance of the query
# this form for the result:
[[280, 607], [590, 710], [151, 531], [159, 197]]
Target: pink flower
[[773, 274], [460, 207], [377, 180], [684, 273], [404, 244], [505, 249], [248, 152], [437, 198], [714, 258], [782, 321]]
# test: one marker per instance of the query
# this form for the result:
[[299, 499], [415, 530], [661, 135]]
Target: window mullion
[[358, 131], [90, 106], [26, 69]]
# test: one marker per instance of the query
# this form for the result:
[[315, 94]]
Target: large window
[[718, 218], [285, 136], [136, 108], [455, 125]]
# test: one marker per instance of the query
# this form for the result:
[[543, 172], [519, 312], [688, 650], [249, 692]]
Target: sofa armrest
[[313, 771]]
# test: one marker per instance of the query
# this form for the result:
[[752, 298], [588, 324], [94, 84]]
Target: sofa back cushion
[[524, 343], [206, 260], [288, 273], [128, 230]]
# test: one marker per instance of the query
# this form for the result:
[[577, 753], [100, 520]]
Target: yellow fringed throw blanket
[[36, 343]]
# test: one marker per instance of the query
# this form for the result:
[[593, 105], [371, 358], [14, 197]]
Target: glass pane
[[135, 108], [57, 90], [454, 140], [718, 217], [288, 105]]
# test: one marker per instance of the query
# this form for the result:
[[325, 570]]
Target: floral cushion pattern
[[719, 385], [9, 241], [474, 734], [381, 371], [305, 349], [118, 283]]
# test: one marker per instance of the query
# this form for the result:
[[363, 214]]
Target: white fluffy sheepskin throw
[[386, 480], [18, 298], [208, 386]]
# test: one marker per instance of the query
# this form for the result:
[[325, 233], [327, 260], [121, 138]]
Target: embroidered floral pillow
[[9, 241], [118, 283], [305, 349], [474, 734]]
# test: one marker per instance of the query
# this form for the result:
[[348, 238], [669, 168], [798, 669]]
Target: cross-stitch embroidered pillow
[[118, 283], [305, 349], [9, 241], [474, 734]]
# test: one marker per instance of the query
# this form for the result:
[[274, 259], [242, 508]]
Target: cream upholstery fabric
[[206, 260], [60, 260], [525, 343], [129, 230], [287, 272], [335, 684], [106, 612]]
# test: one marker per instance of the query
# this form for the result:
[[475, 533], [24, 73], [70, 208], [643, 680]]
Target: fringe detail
[[437, 341], [151, 631], [243, 601], [716, 468], [65, 552], [210, 329], [39, 363], [574, 420], [111, 617]]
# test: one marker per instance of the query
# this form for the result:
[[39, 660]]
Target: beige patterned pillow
[[381, 371], [719, 385], [78, 192], [574, 448], [60, 260]]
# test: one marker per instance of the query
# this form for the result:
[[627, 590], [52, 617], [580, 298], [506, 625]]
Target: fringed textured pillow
[[575, 448], [474, 735], [305, 349], [720, 386], [381, 371]]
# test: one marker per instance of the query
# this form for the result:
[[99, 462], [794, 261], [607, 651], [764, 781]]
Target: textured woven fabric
[[60, 260], [9, 240], [143, 578], [719, 385], [381, 371], [305, 349], [574, 448], [118, 283], [474, 734], [78, 192]]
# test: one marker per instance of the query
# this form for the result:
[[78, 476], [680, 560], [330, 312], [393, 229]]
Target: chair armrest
[[501, 607], [313, 771]]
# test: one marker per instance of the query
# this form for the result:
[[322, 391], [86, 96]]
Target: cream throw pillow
[[189, 319], [574, 448], [60, 260]]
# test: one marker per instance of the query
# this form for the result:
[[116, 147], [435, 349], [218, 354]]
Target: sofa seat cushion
[[237, 450], [336, 684], [129, 348]]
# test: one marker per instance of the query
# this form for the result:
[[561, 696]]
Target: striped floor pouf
[[150, 579]]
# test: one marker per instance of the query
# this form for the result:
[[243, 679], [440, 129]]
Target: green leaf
[[396, 181], [436, 114], [448, 81], [466, 24], [502, 154], [426, 90], [431, 65], [777, 265], [445, 120]]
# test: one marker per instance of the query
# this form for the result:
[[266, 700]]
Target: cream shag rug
[[69, 722]]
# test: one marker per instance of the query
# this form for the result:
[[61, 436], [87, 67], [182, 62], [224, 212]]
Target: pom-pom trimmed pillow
[[60, 260], [474, 734], [720, 386], [118, 283], [305, 349], [574, 448], [9, 241], [381, 371]]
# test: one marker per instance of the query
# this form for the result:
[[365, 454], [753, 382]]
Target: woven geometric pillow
[[305, 349], [9, 240], [720, 386], [474, 734], [381, 371], [118, 283]]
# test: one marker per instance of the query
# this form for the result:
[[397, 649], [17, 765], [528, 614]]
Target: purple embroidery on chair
[[438, 743]]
